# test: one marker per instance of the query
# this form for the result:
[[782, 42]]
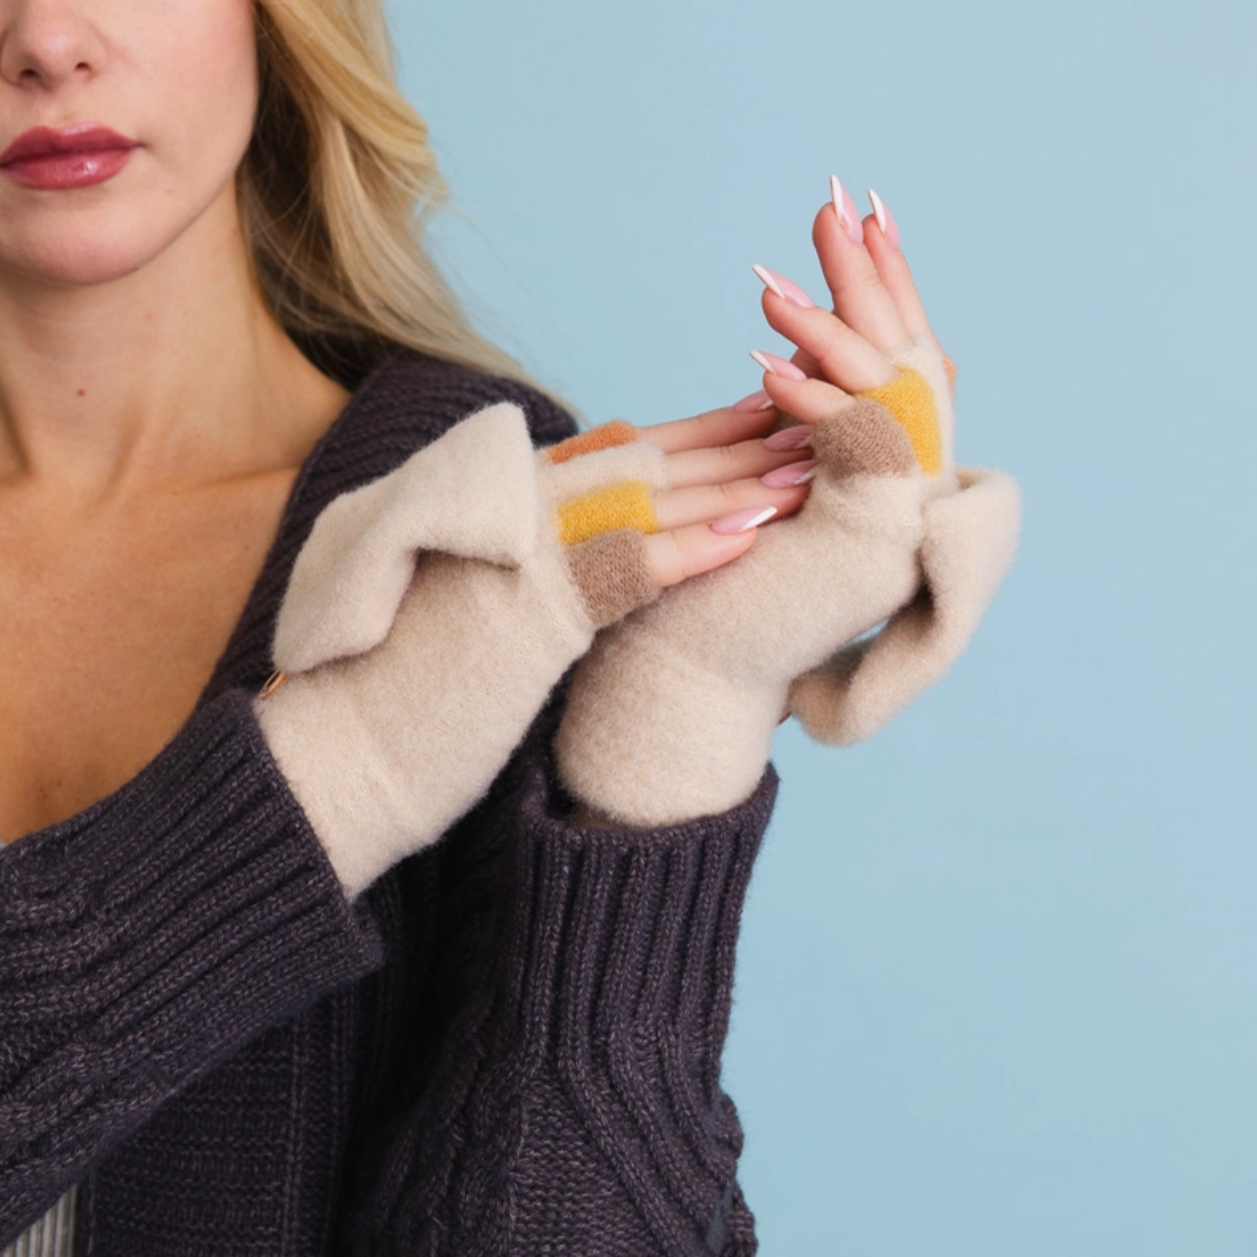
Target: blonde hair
[[335, 190]]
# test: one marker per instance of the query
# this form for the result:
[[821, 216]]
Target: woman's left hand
[[877, 314], [728, 469], [671, 715]]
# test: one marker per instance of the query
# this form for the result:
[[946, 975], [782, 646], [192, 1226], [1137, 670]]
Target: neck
[[173, 375]]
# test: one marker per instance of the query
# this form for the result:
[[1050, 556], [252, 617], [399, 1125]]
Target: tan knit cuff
[[612, 575], [864, 439]]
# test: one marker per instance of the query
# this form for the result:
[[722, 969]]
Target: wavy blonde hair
[[335, 190]]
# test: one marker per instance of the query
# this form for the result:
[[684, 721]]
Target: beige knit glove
[[671, 715], [431, 613]]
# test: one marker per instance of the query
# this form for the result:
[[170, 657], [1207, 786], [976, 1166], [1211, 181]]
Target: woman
[[225, 1029]]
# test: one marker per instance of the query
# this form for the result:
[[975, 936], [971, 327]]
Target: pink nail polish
[[785, 288], [848, 215], [789, 439], [885, 220], [744, 521], [790, 475], [753, 403], [778, 366]]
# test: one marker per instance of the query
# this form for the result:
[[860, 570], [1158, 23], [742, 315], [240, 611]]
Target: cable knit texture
[[509, 1044]]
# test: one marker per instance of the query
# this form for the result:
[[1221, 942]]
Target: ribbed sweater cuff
[[574, 1105], [146, 939], [634, 926], [624, 946]]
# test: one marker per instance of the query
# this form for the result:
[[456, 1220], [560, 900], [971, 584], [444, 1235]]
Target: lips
[[67, 157]]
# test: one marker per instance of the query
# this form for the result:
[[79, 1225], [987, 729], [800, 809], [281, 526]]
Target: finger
[[806, 363], [811, 401], [842, 356], [680, 553], [860, 299], [881, 238], [715, 428], [705, 504], [748, 460], [827, 348], [795, 439]]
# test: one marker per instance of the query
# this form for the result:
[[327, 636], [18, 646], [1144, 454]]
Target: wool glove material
[[431, 613], [671, 714]]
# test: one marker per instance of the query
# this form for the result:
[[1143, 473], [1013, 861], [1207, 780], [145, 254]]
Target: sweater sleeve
[[574, 1104], [148, 938]]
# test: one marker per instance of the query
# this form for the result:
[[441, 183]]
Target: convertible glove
[[431, 613], [671, 715]]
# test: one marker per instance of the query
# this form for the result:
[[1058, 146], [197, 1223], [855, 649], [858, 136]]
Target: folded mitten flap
[[968, 544], [412, 680], [472, 493]]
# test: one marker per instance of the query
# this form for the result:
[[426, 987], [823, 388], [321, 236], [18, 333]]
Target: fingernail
[[885, 220], [752, 403], [789, 439], [744, 521], [848, 215], [778, 366], [787, 477], [785, 288]]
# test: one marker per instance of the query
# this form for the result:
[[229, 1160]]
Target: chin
[[75, 267], [76, 256]]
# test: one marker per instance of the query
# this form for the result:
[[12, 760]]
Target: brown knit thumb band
[[612, 575]]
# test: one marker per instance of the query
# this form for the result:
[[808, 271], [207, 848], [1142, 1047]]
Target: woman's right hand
[[717, 465]]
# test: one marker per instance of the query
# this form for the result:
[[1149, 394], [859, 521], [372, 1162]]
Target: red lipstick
[[70, 157]]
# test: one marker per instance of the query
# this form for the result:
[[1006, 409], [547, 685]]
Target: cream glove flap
[[672, 714], [429, 616], [967, 546]]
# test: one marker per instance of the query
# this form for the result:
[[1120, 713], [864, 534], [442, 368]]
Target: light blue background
[[998, 983]]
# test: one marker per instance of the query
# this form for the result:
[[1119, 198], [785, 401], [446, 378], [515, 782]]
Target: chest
[[108, 634]]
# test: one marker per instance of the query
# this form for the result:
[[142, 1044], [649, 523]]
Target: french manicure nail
[[753, 403], [785, 288], [789, 438], [790, 475], [848, 215], [885, 220], [744, 521], [778, 366]]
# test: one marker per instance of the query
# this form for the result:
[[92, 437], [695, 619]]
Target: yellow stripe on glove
[[911, 400], [623, 505]]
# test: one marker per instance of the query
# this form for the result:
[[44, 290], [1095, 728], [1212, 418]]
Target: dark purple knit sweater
[[509, 1045]]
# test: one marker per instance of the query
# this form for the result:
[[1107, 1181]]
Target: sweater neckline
[[406, 400], [301, 508]]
